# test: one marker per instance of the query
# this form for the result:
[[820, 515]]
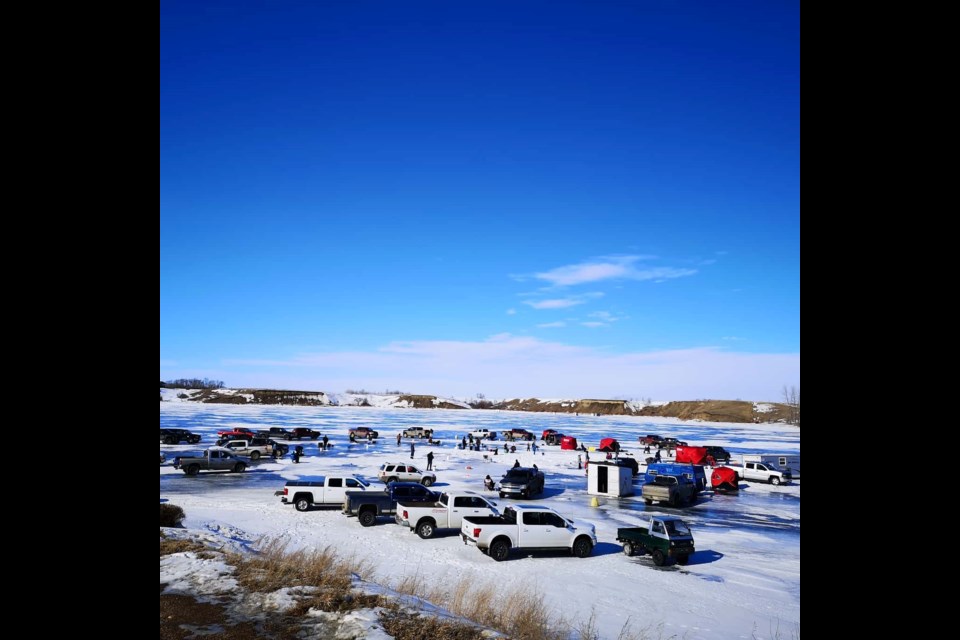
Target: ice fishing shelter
[[609, 444], [568, 443], [609, 479], [724, 479], [693, 455]]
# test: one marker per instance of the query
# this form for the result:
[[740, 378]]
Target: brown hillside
[[706, 410], [426, 402], [264, 396]]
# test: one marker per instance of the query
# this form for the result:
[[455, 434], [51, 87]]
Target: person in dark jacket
[[516, 464], [430, 461]]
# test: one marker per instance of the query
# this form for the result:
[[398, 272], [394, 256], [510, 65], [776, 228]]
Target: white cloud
[[511, 312], [563, 303], [552, 325], [606, 316], [515, 366], [594, 324], [610, 268], [734, 338]]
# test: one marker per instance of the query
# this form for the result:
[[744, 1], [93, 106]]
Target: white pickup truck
[[480, 434], [447, 513], [764, 472], [322, 491], [528, 527]]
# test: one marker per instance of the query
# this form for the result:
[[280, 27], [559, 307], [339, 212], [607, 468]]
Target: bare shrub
[[171, 515]]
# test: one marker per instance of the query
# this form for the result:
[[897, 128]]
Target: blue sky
[[553, 199]]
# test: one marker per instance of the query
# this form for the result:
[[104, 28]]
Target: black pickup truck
[[175, 436], [368, 505]]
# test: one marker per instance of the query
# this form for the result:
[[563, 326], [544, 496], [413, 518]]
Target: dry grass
[[411, 626], [168, 546], [519, 612], [329, 576]]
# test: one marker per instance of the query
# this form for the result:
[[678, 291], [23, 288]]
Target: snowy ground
[[743, 581]]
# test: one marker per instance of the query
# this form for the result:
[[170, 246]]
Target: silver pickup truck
[[213, 459]]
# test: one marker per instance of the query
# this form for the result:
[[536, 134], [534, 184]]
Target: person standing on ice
[[326, 440], [430, 461], [412, 448], [398, 439]]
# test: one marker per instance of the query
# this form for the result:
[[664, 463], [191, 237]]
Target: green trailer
[[666, 539]]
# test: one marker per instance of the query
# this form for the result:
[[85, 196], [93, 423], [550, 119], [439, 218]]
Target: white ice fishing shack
[[609, 479], [779, 460]]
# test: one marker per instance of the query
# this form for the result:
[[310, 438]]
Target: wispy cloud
[[508, 365], [606, 316], [734, 338], [511, 312], [610, 268], [552, 325], [563, 303], [593, 324]]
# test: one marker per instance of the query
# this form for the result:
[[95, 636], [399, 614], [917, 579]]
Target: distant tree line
[[791, 398], [481, 402], [192, 383]]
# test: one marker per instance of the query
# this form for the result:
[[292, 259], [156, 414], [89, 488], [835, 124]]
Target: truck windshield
[[677, 528]]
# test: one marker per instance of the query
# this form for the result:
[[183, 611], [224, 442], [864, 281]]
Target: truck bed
[[489, 520], [632, 533]]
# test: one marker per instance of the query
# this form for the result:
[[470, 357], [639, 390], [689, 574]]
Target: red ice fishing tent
[[692, 455], [609, 444], [569, 443], [724, 479]]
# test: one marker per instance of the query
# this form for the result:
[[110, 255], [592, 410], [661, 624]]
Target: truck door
[[333, 492]]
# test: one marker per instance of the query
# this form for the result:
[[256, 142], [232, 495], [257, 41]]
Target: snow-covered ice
[[744, 580]]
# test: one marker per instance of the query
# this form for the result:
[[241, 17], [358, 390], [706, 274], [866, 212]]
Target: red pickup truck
[[303, 432]]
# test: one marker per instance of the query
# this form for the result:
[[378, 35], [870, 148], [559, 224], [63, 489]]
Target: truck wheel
[[502, 495], [628, 549], [315, 437], [368, 518], [683, 559], [255, 455], [427, 482], [674, 500], [192, 470], [648, 501], [658, 557], [392, 479], [582, 547], [301, 504], [169, 440], [239, 467], [774, 480], [425, 529], [500, 550]]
